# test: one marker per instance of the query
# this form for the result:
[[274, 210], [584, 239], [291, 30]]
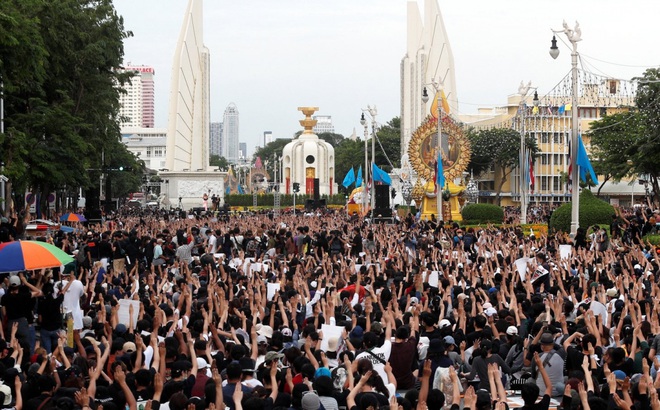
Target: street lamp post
[[372, 111], [574, 35], [523, 90], [363, 121], [437, 86]]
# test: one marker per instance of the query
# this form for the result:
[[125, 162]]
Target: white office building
[[148, 144], [136, 105], [230, 134]]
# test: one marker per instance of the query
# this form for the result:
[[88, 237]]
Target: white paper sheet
[[565, 251], [432, 279], [271, 289], [328, 332], [521, 265], [123, 312]]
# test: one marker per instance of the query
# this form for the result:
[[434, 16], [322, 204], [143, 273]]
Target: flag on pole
[[358, 180], [569, 180], [583, 162], [379, 175], [569, 107], [439, 173], [531, 171], [562, 109], [535, 110], [349, 178]]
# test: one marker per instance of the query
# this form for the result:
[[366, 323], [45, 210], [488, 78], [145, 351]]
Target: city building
[[148, 144], [550, 124], [215, 138], [136, 106], [242, 150], [268, 137], [428, 57], [189, 113], [307, 159], [323, 124], [230, 134]]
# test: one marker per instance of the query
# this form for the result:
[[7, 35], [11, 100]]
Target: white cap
[[491, 311], [487, 306], [511, 330], [313, 284], [444, 323]]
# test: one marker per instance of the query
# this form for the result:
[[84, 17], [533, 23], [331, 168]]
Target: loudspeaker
[[382, 196], [311, 204], [317, 192]]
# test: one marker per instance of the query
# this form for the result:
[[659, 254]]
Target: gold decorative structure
[[422, 151], [308, 123]]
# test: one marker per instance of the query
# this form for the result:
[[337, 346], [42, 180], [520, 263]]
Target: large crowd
[[323, 311]]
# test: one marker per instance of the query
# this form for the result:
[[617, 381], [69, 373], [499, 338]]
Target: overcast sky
[[271, 56]]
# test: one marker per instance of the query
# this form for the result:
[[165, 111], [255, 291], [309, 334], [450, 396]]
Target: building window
[[544, 159], [544, 183], [158, 151], [148, 152], [557, 138], [544, 138], [556, 185]]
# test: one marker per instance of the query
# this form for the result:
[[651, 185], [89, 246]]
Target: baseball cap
[[333, 343], [449, 341], [14, 281], [620, 375], [444, 323], [547, 339], [511, 330], [7, 392], [266, 331], [270, 356], [202, 364], [262, 339], [129, 347], [612, 292], [322, 371], [310, 401]]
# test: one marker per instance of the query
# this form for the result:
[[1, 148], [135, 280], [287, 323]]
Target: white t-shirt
[[71, 302], [382, 353], [213, 244]]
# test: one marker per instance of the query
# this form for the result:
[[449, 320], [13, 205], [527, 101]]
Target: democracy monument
[[187, 163]]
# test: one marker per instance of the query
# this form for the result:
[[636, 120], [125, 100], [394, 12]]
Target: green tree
[[628, 144], [271, 149], [60, 118], [612, 136], [389, 136], [218, 161], [497, 148], [348, 154]]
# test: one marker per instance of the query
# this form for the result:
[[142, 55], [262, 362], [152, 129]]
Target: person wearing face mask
[[458, 239]]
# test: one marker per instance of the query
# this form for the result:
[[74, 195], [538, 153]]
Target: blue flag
[[584, 163], [240, 189], [440, 181], [228, 190], [380, 175], [358, 180], [349, 178]]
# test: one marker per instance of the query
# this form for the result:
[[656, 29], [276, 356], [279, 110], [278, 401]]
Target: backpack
[[81, 257]]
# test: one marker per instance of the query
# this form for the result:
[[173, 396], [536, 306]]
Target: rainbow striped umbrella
[[71, 217], [30, 255]]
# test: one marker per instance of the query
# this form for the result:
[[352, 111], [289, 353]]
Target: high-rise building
[[323, 124], [230, 134], [242, 150], [189, 113], [136, 107], [428, 57], [215, 138], [268, 137]]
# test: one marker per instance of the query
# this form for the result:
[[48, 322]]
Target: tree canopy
[[497, 148], [628, 144], [60, 61]]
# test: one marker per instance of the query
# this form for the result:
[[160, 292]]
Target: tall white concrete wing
[[428, 56], [440, 56], [189, 113]]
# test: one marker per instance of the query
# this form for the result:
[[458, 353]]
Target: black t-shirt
[[382, 399], [18, 305], [544, 404], [105, 250], [93, 249], [49, 310]]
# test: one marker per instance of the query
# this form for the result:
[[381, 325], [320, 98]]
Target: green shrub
[[482, 213], [593, 211], [653, 239]]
